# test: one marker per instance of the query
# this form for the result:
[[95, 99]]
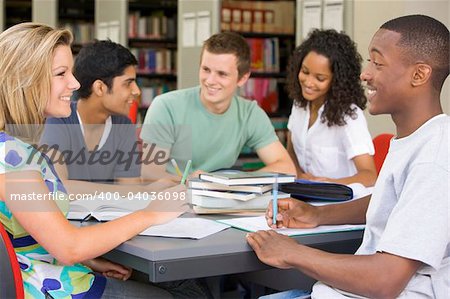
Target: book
[[236, 177], [199, 184], [253, 224], [103, 209], [241, 196], [258, 203]]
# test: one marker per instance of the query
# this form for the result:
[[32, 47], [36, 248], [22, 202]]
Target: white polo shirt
[[328, 151]]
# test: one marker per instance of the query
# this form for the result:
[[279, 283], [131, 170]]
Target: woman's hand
[[109, 269], [168, 204]]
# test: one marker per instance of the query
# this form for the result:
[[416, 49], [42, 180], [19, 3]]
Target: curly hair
[[345, 62]]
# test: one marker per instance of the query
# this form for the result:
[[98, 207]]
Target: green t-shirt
[[178, 121]]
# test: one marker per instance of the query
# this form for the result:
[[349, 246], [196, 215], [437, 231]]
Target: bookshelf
[[79, 18], [15, 12], [152, 38], [271, 44]]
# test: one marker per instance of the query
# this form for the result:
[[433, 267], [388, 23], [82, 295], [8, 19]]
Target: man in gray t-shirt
[[97, 142], [405, 251]]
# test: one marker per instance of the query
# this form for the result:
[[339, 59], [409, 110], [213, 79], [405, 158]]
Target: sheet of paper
[[114, 31], [312, 16], [190, 228], [189, 20], [102, 31], [333, 15], [253, 224], [203, 27]]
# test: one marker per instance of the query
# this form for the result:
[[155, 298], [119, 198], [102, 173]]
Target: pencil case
[[309, 190]]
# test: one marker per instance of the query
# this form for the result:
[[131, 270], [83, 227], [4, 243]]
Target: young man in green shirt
[[209, 124]]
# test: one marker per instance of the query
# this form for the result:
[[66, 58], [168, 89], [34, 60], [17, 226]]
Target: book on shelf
[[264, 91], [199, 184], [236, 177], [258, 21], [225, 23], [155, 26], [266, 16], [103, 209], [246, 20], [253, 224]]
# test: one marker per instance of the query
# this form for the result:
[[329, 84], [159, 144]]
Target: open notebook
[[253, 224]]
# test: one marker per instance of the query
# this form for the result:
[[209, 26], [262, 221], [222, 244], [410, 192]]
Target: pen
[[275, 200], [177, 169], [186, 172]]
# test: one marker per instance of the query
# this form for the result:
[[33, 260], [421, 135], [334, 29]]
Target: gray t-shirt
[[409, 213], [117, 157]]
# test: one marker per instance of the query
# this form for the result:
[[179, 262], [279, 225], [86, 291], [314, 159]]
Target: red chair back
[[133, 112], [381, 144], [11, 283]]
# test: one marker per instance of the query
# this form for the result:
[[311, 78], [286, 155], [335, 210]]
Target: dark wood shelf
[[256, 74], [169, 43], [152, 75], [152, 5], [267, 35]]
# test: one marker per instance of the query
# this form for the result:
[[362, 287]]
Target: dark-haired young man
[[97, 142], [405, 251]]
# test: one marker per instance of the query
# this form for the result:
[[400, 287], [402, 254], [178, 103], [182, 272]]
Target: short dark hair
[[345, 63], [100, 60], [230, 43], [424, 39]]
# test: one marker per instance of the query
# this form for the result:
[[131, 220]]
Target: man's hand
[[272, 248], [293, 213]]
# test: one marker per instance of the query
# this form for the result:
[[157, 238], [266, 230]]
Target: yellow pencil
[[177, 169]]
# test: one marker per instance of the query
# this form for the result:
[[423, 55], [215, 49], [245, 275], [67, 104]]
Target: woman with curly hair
[[328, 137]]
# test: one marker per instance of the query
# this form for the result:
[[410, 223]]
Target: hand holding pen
[[293, 213]]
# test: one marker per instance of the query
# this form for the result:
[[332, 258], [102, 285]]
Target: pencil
[[186, 172], [177, 169]]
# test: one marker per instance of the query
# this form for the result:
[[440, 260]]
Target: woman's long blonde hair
[[26, 56]]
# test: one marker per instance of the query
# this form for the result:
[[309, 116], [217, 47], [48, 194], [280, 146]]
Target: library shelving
[[16, 11], [152, 37], [79, 18]]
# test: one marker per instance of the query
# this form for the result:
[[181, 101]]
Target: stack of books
[[231, 191]]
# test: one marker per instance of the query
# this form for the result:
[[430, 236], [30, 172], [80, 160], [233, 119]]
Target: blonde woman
[[57, 259]]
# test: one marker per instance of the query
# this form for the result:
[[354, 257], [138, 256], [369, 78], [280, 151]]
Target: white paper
[[189, 20], [102, 31], [191, 228], [114, 31], [333, 15], [203, 27], [312, 16], [109, 30], [253, 224]]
